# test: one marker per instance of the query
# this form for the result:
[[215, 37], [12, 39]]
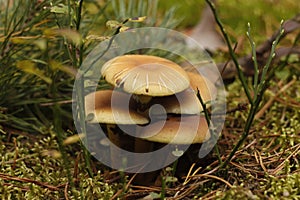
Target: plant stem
[[107, 48], [80, 109], [231, 52], [257, 99], [246, 130], [264, 77], [207, 118], [59, 133], [78, 17], [256, 71], [262, 86], [259, 89], [69, 19], [210, 126]]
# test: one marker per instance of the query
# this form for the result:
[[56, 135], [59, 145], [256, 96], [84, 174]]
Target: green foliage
[[277, 139], [188, 10], [42, 44], [283, 188], [237, 193], [34, 169], [256, 12], [27, 78]]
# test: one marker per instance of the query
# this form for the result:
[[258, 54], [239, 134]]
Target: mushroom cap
[[187, 102], [111, 107], [177, 130], [207, 90], [145, 75]]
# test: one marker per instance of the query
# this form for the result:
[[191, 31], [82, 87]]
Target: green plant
[[259, 86], [42, 45]]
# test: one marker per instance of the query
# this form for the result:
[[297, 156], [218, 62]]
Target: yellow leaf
[[124, 28], [31, 68], [137, 19], [113, 24], [97, 38], [41, 43], [55, 65], [19, 41], [73, 139], [52, 153], [49, 32], [71, 35], [23, 39]]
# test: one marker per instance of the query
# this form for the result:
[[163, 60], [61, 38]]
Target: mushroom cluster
[[144, 81]]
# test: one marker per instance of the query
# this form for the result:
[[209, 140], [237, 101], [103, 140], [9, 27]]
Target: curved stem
[[231, 51], [259, 89], [114, 138]]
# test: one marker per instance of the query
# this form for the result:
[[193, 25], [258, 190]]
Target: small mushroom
[[99, 105], [145, 75], [107, 107], [175, 131], [188, 129], [207, 89], [187, 102]]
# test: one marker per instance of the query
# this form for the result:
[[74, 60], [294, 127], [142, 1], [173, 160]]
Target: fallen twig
[[271, 100], [27, 180], [263, 51]]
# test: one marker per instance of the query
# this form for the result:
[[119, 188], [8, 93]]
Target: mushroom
[[206, 88], [187, 126], [98, 108], [107, 107], [187, 102], [188, 129], [175, 131], [154, 80], [145, 75]]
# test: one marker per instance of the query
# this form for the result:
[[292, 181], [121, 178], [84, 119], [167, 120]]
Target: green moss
[[29, 171], [286, 187], [237, 193], [30, 166]]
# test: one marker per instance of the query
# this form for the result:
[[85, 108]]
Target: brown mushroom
[[187, 102], [107, 107], [206, 88], [145, 75], [177, 130]]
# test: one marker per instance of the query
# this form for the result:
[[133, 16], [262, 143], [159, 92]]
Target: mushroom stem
[[115, 139], [142, 102], [142, 146], [144, 99]]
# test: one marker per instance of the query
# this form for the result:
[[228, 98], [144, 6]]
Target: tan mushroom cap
[[207, 89], [187, 102], [98, 109], [145, 75], [177, 130]]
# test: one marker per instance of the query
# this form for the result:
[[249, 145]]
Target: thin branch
[[231, 52], [254, 58], [27, 180], [261, 87]]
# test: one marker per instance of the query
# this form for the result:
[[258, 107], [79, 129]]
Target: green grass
[[37, 67]]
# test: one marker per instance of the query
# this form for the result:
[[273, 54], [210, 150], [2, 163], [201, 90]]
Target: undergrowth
[[32, 168], [42, 44]]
